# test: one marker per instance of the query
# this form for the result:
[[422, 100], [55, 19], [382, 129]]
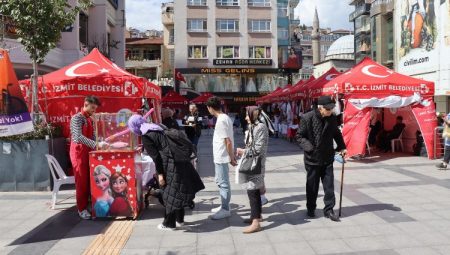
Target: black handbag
[[251, 162]]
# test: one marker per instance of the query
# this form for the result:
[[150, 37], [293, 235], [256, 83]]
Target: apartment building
[[361, 19], [227, 47], [101, 26], [168, 51]]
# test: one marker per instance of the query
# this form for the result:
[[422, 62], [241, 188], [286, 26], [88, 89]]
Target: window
[[259, 3], [134, 54], [228, 52], [151, 55], [171, 36], [196, 2], [227, 25], [172, 57], [260, 52], [283, 33], [196, 25], [197, 52], [259, 25], [227, 2], [282, 9]]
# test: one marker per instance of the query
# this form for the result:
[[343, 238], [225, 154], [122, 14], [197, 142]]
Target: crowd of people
[[318, 134]]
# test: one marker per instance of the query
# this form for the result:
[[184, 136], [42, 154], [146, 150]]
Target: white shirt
[[224, 129]]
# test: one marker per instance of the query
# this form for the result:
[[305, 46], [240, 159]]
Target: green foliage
[[39, 23], [39, 132]]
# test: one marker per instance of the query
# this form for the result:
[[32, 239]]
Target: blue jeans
[[223, 181], [194, 140]]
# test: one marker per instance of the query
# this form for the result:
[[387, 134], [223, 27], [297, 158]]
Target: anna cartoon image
[[119, 186], [103, 202]]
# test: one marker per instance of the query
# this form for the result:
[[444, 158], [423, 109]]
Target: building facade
[[143, 57], [361, 19], [227, 47], [168, 53], [101, 26], [382, 32]]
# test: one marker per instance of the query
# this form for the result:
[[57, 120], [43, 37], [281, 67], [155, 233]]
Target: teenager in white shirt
[[223, 151]]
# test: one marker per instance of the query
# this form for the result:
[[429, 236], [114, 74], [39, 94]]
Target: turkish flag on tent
[[370, 79], [173, 97], [315, 88], [15, 118]]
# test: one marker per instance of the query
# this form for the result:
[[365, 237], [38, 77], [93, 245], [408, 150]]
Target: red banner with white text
[[425, 114], [356, 129]]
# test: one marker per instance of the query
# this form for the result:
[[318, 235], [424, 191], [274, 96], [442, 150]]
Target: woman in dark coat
[[180, 180]]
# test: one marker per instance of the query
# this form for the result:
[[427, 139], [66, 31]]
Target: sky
[[146, 14]]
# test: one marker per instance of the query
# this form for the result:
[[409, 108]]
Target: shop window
[[197, 25], [259, 25], [227, 25], [228, 52], [197, 52], [260, 52]]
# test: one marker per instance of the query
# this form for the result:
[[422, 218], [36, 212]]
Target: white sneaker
[[180, 224], [221, 214], [85, 215], [264, 200], [214, 210], [164, 228]]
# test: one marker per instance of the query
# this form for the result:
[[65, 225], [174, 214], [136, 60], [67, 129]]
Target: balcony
[[361, 10], [381, 7], [167, 18]]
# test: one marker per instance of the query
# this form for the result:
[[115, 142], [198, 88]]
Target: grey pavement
[[392, 204]]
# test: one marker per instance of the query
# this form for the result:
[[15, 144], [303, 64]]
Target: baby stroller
[[154, 190]]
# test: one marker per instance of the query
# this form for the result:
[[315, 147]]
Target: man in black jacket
[[318, 128]]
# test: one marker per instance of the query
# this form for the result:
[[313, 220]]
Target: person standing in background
[[194, 128]]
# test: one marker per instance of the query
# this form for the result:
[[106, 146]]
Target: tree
[[39, 25]]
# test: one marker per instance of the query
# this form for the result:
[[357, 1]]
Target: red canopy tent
[[202, 98], [173, 98], [315, 88], [265, 98], [282, 95], [61, 93], [299, 91], [370, 85]]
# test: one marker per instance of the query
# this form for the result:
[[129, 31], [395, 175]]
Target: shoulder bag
[[251, 161]]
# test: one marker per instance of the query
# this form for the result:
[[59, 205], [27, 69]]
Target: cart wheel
[[192, 205]]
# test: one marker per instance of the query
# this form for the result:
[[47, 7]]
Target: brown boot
[[255, 227]]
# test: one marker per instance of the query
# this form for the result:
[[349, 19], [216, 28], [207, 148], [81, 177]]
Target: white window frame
[[259, 3], [203, 48], [257, 23], [229, 22], [227, 2], [220, 49], [196, 2], [202, 22], [252, 52]]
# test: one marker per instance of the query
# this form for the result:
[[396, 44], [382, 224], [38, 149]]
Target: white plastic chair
[[59, 177], [397, 141]]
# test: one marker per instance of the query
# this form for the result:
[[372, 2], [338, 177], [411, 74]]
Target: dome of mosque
[[342, 48]]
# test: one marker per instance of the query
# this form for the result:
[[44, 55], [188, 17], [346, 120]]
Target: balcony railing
[[363, 9], [171, 40]]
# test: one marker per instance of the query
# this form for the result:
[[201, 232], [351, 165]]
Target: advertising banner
[[418, 34], [15, 118]]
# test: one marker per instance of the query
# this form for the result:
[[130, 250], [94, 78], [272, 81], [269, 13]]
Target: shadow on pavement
[[358, 209]]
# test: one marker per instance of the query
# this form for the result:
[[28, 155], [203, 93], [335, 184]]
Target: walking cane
[[342, 186]]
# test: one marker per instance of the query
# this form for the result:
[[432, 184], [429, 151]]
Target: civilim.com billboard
[[418, 35]]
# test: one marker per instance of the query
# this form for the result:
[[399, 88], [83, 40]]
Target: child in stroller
[[154, 190]]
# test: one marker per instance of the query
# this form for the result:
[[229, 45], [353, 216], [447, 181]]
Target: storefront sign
[[245, 99], [228, 70], [242, 62]]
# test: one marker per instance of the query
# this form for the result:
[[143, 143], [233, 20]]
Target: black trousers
[[447, 154], [255, 203], [174, 216], [314, 175]]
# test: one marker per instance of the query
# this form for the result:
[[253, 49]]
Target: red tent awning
[[265, 98], [173, 97], [203, 98], [315, 88], [282, 95], [370, 79], [95, 75], [300, 90]]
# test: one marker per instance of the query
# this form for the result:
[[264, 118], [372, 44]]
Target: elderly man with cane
[[318, 129]]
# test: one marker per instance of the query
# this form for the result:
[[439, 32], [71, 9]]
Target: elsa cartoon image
[[104, 201]]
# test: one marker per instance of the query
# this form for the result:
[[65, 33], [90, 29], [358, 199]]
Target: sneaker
[[264, 200], [180, 224], [85, 215], [215, 210], [442, 166], [164, 228], [221, 214]]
